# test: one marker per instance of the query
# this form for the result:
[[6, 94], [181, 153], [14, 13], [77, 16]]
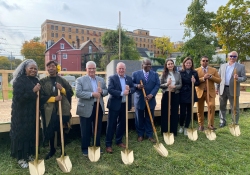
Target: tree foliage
[[164, 45], [7, 64], [33, 49], [198, 32], [232, 25], [110, 41]]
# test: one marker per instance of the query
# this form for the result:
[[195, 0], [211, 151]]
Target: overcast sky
[[21, 20]]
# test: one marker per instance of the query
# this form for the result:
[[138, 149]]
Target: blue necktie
[[146, 76]]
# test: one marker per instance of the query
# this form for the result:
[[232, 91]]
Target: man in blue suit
[[119, 86], [151, 84]]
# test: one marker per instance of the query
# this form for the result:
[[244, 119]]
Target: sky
[[20, 20]]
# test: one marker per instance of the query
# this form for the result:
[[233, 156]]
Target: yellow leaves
[[164, 44]]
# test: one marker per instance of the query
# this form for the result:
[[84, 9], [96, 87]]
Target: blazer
[[151, 87], [186, 89], [214, 79], [115, 89], [83, 92], [241, 78], [178, 83]]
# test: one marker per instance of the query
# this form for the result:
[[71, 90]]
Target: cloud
[[9, 7], [65, 7]]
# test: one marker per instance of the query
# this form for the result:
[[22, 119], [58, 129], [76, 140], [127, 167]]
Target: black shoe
[[222, 125], [50, 154]]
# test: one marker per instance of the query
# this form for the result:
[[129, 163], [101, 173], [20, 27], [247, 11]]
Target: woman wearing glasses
[[170, 81], [188, 75]]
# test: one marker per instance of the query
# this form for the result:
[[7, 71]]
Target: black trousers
[[185, 114], [88, 128], [174, 106]]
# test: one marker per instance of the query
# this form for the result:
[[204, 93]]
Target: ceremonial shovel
[[234, 128], [63, 162], [158, 146], [37, 167], [127, 155], [192, 133]]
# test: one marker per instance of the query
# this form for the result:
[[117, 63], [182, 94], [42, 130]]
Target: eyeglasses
[[204, 60], [233, 56]]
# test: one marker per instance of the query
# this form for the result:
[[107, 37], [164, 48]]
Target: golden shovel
[[158, 146], [63, 162], [192, 133], [234, 128], [168, 137], [127, 155], [37, 167], [94, 151], [210, 134]]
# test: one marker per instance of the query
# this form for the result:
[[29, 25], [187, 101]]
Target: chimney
[[78, 43], [73, 44]]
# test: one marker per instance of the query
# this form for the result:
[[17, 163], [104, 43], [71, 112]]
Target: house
[[145, 53]]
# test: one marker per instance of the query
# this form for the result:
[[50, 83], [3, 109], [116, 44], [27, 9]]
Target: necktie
[[146, 76], [205, 87]]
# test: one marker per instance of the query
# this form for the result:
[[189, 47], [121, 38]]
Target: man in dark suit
[[151, 84], [119, 86]]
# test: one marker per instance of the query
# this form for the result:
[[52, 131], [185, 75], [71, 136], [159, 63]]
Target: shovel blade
[[64, 164], [235, 130], [161, 149], [168, 138], [37, 167], [94, 153], [210, 134], [192, 134], [127, 156]]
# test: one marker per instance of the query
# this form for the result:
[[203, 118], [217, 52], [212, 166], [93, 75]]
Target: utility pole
[[119, 35]]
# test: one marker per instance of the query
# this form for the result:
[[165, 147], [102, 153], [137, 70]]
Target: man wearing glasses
[[226, 87], [210, 74]]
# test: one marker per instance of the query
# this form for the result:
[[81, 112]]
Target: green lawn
[[226, 155]]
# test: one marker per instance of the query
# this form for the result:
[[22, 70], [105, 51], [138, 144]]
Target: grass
[[226, 155]]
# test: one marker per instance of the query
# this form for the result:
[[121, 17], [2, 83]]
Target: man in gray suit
[[226, 87], [87, 91]]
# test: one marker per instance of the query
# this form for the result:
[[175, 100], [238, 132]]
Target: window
[[64, 56], [100, 33], [76, 30], [148, 40], [64, 69], [151, 46], [82, 38], [144, 45], [82, 31], [140, 39], [94, 39], [62, 46], [100, 40], [52, 34], [144, 40], [136, 38], [56, 35], [56, 27], [63, 35], [90, 48], [140, 45], [69, 29], [53, 56], [69, 36], [87, 38], [77, 37], [151, 41], [63, 28], [52, 27], [87, 31], [94, 32]]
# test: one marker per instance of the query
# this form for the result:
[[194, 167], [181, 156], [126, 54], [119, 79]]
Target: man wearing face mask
[[210, 74], [226, 87], [151, 84]]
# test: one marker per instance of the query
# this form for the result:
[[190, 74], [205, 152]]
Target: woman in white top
[[170, 81]]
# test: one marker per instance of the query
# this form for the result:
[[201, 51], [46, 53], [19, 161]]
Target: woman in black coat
[[23, 114], [186, 92]]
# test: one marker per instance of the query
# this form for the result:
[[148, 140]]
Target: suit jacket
[[214, 79], [178, 83], [151, 87], [83, 92], [186, 89], [115, 89], [241, 78]]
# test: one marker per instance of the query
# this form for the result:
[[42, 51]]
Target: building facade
[[54, 30]]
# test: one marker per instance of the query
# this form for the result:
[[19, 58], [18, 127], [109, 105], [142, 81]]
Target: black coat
[[186, 89]]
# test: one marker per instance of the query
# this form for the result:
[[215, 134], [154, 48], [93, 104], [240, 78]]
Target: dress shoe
[[151, 140], [222, 125], [85, 153], [122, 145], [201, 128], [211, 127], [181, 129], [140, 139], [109, 150]]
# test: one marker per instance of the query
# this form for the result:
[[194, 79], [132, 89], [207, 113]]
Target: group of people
[[91, 89]]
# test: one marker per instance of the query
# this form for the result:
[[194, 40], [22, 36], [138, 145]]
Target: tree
[[33, 49], [232, 25], [4, 63], [110, 41], [198, 32], [164, 45]]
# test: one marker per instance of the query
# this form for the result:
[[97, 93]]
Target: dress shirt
[[171, 75], [94, 85], [229, 71], [123, 85]]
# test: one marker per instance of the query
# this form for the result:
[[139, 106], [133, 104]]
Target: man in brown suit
[[211, 75]]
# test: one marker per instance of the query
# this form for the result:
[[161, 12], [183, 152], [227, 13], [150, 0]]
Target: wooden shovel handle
[[208, 105], [61, 122], [235, 88], [96, 115], [37, 125], [169, 110], [192, 103]]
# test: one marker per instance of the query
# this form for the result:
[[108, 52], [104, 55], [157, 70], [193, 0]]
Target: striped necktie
[[146, 76]]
